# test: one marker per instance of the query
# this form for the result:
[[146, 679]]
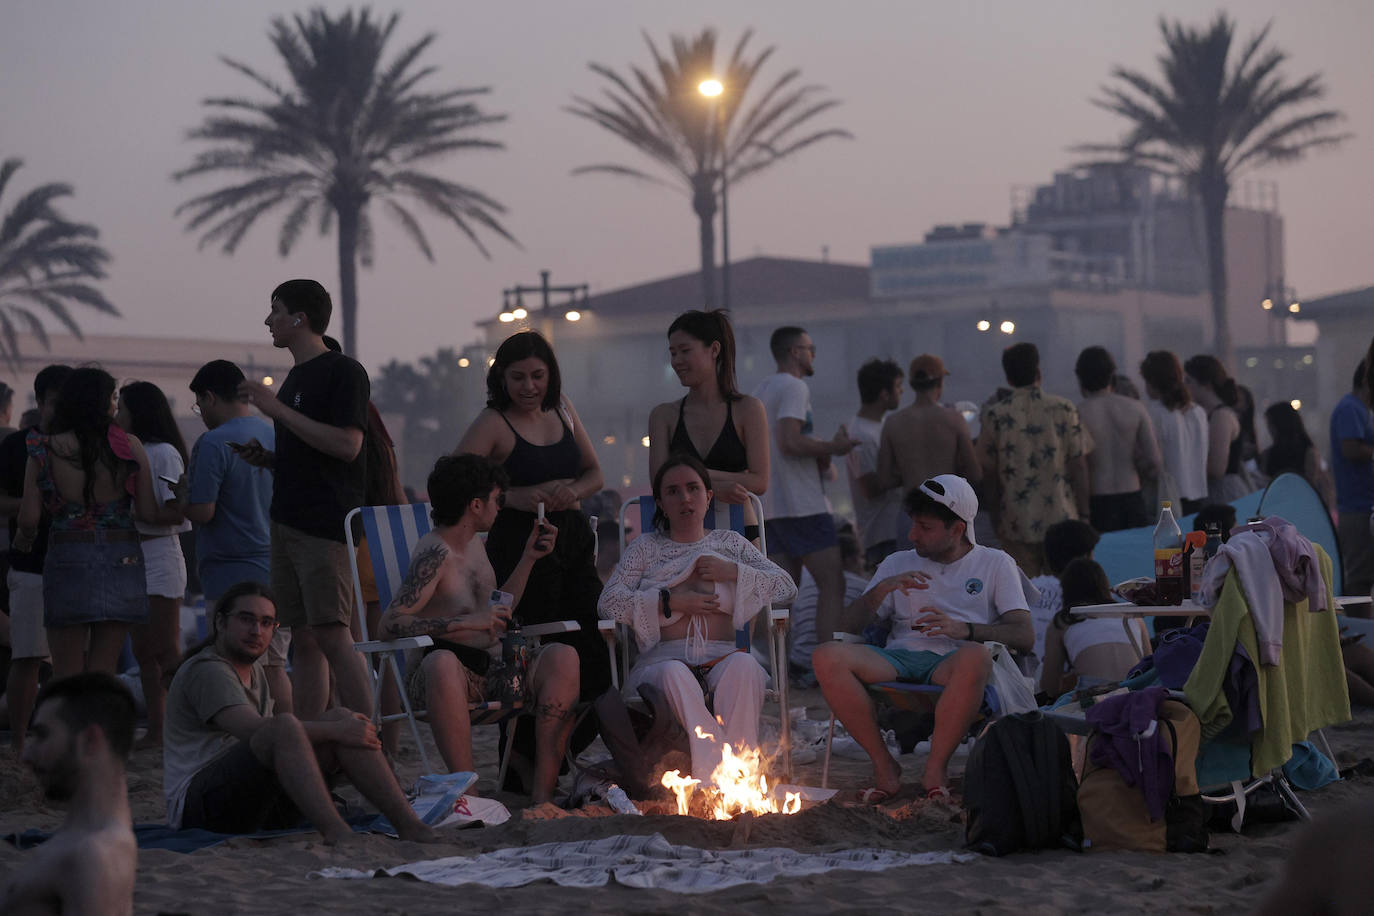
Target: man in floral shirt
[[1033, 450]]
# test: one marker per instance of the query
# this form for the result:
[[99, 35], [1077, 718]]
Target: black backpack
[[1019, 788]]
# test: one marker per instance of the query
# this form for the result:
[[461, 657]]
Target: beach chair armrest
[[392, 645], [549, 629]]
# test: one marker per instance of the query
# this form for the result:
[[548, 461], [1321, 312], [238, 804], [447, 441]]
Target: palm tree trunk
[[1214, 190], [704, 205], [348, 275]]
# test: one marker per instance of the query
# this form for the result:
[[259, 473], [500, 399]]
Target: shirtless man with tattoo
[[447, 595], [83, 727]]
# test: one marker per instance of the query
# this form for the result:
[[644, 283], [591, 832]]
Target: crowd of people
[[99, 485]]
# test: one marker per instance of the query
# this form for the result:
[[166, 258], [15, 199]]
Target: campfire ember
[[738, 786]]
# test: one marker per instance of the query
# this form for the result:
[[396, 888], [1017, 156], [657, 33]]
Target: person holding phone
[[442, 596]]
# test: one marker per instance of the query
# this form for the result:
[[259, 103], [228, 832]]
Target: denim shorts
[[94, 581]]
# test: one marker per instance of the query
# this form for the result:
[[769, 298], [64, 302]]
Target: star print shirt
[[977, 588], [1033, 435]]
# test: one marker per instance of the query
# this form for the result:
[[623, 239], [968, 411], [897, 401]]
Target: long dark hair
[[513, 349], [1082, 582], [83, 409], [675, 460], [222, 607], [1206, 369], [150, 416], [713, 327], [1291, 441], [1161, 371]]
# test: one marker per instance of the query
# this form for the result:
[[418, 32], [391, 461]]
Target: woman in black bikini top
[[714, 423]]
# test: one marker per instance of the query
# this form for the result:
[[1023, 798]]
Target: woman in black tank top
[[534, 432], [725, 430]]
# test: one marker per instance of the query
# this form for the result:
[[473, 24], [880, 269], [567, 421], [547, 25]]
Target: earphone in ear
[[296, 323]]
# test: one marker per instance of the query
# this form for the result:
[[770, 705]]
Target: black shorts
[[235, 793]]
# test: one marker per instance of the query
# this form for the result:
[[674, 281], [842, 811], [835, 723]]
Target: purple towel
[[1131, 741]]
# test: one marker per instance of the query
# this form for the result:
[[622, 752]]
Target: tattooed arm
[[402, 617]]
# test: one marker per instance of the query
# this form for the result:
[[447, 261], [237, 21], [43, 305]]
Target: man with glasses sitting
[[943, 598], [231, 766]]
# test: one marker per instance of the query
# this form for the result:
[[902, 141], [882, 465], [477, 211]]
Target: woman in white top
[[1082, 646], [685, 591], [145, 413], [1181, 429]]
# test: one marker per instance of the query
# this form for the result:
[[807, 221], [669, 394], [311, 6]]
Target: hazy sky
[[951, 105]]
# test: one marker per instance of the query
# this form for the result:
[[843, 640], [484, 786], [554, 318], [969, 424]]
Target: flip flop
[[874, 796], [941, 794]]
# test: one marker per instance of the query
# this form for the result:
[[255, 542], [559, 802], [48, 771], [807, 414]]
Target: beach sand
[[253, 876]]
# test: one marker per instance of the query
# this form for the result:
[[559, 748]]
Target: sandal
[[941, 794], [874, 796]]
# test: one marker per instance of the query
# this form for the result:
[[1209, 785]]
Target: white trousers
[[737, 682]]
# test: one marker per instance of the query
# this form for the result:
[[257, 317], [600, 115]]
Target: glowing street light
[[644, 442], [712, 88], [464, 362], [1267, 304], [1296, 404], [984, 325], [1007, 327], [520, 314], [267, 380], [506, 317], [573, 315], [1295, 307]]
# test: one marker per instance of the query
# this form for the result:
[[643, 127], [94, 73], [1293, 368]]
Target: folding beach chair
[[718, 515], [392, 533], [917, 701]]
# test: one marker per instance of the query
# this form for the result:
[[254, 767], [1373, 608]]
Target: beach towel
[[643, 861], [1304, 692]]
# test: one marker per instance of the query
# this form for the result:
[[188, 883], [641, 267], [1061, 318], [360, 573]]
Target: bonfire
[[738, 785]]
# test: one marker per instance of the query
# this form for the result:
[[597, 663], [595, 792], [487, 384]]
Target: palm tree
[[46, 262], [1214, 116], [699, 144], [431, 397], [346, 130]]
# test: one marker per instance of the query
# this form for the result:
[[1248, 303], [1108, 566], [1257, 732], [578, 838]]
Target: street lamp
[[575, 309], [713, 89]]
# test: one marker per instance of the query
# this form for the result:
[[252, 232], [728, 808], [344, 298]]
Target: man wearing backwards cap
[[925, 439], [944, 598]]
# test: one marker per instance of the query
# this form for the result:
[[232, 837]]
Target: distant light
[[520, 314], [1267, 304], [625, 481], [1251, 362], [710, 88], [984, 325], [573, 315], [491, 361], [1007, 327], [464, 362], [609, 440], [267, 380], [1295, 307], [1278, 364], [507, 317], [1307, 359], [644, 442], [1296, 404]]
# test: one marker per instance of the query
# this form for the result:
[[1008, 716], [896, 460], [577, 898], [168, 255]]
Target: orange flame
[[738, 785]]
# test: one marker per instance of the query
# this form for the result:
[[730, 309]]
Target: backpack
[[1114, 813], [1019, 788]]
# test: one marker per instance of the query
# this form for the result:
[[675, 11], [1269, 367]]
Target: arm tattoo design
[[555, 711], [423, 569]]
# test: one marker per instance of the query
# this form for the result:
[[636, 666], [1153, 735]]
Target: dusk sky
[[951, 104]]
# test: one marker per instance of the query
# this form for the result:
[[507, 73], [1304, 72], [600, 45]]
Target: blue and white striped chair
[[392, 533]]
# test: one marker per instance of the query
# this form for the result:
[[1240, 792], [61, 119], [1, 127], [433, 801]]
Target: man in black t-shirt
[[319, 414], [29, 641]]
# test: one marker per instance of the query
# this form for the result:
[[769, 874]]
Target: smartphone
[[501, 599]]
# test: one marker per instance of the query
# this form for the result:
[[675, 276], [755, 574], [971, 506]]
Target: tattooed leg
[[555, 683]]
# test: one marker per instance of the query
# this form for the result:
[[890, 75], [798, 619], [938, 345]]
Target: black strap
[[1032, 821], [1047, 741]]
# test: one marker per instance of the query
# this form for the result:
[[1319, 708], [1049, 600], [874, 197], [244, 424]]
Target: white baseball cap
[[955, 494]]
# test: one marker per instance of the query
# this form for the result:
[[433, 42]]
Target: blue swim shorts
[[915, 667]]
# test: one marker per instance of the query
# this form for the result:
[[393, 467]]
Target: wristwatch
[[663, 595]]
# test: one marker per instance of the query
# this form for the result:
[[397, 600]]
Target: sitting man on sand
[[968, 595], [231, 766], [449, 593], [83, 727]]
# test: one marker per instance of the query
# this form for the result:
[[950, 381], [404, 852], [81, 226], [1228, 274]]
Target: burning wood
[[738, 785]]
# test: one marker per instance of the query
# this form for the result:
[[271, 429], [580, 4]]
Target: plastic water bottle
[[1168, 550], [620, 802]]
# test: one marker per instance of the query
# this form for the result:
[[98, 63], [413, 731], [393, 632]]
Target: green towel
[[1304, 692]]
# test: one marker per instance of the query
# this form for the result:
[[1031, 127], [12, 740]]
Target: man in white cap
[[944, 598]]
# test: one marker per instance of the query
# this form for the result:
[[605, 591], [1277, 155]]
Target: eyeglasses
[[934, 486], [253, 622]]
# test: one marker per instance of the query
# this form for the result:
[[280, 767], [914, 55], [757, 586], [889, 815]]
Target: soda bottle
[[1168, 547]]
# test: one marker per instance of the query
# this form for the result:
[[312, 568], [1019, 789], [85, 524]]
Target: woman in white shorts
[[144, 412]]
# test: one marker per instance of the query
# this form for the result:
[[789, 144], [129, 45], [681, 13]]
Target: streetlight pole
[[713, 89], [571, 309]]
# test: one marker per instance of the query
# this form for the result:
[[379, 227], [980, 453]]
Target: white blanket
[[643, 861]]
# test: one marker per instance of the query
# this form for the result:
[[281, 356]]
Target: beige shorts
[[311, 578]]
